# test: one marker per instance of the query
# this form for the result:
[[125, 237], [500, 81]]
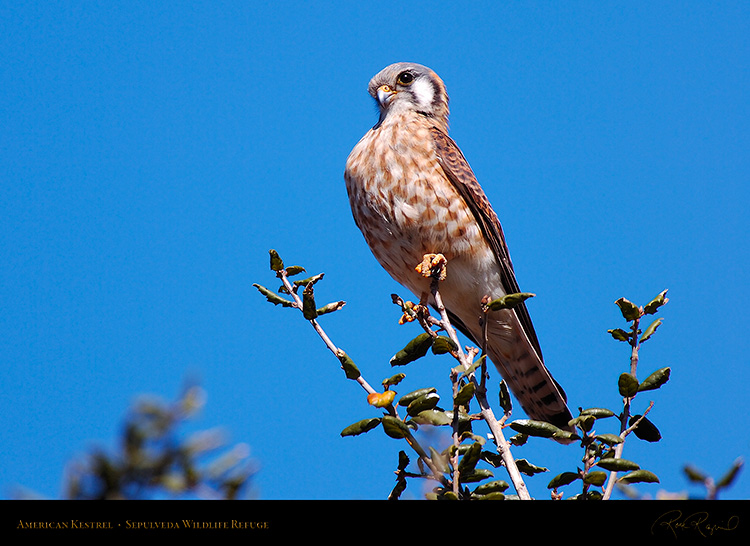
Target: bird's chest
[[402, 200]]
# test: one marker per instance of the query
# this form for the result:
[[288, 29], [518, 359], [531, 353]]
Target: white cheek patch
[[424, 93]]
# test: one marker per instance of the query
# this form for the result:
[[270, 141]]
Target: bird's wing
[[459, 172]]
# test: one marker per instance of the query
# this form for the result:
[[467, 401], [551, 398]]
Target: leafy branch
[[457, 465]]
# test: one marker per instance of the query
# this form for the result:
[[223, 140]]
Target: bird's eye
[[405, 78]]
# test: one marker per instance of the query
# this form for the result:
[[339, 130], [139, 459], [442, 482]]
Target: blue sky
[[152, 153]]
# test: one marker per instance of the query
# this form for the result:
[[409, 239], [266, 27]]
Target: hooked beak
[[385, 95]]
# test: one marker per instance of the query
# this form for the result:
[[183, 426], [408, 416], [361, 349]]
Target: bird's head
[[403, 87]]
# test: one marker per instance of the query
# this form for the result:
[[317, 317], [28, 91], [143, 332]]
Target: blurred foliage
[[155, 461]]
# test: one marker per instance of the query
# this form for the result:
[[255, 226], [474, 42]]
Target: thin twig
[[503, 447], [437, 475], [331, 346], [625, 416]]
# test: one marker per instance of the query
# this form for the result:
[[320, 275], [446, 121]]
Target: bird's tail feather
[[540, 396]]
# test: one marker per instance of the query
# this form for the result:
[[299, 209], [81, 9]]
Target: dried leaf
[[381, 399]]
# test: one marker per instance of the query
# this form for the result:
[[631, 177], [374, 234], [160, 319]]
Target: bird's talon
[[433, 265]]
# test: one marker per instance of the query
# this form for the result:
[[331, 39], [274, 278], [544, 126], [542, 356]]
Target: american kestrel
[[412, 193]]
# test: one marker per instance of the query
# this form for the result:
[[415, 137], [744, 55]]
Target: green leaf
[[650, 330], [403, 460], [464, 396], [529, 469], [276, 263], [565, 436], [534, 428], [629, 310], [393, 427], [476, 475], [495, 486], [272, 297], [360, 427], [655, 303], [563, 479], [639, 476], [619, 334], [440, 460], [397, 489], [330, 307], [309, 310], [645, 430], [583, 422], [309, 280], [407, 399], [505, 401], [442, 345], [423, 403], [598, 413], [393, 380], [468, 371], [293, 270], [495, 459], [433, 417], [617, 465], [496, 495], [628, 385], [518, 439], [350, 368], [597, 477], [413, 350], [727, 479], [694, 474], [609, 439], [655, 380], [470, 459], [509, 301]]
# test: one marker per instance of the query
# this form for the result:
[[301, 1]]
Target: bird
[[413, 193]]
